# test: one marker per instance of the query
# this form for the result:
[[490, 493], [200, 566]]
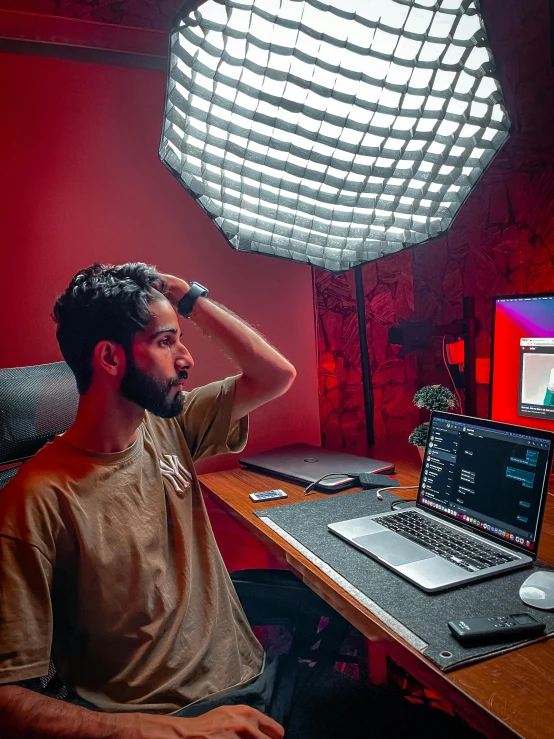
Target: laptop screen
[[486, 475]]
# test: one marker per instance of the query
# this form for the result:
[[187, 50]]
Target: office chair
[[38, 402]]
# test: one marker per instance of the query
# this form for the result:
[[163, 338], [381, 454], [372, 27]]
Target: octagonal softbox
[[331, 133]]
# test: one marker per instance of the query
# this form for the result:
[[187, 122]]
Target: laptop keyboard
[[449, 544]]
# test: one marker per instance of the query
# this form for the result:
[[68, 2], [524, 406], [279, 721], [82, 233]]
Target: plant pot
[[417, 435]]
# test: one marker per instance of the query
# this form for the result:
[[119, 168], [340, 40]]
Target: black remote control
[[496, 628]]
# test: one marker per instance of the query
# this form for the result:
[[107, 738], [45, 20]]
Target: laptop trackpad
[[391, 548]]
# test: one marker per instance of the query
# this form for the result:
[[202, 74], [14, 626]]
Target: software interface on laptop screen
[[491, 479]]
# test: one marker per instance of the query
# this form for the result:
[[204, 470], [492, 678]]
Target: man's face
[[158, 364]]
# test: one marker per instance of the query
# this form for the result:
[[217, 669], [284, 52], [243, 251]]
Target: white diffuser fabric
[[331, 133]]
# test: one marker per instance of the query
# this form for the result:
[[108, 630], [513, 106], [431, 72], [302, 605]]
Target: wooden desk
[[506, 696]]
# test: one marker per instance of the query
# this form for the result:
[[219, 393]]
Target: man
[[107, 559], [106, 553]]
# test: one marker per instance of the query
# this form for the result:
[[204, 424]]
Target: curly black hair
[[103, 302]]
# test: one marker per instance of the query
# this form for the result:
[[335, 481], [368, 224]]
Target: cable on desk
[[309, 488], [396, 503]]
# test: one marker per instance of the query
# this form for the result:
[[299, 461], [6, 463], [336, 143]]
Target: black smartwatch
[[186, 304]]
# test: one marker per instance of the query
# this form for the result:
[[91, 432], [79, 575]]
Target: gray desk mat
[[420, 618]]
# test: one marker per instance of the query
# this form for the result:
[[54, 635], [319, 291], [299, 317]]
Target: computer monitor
[[522, 372]]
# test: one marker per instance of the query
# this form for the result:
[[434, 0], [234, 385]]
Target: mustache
[[183, 375]]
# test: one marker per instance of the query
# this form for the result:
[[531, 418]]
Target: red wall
[[81, 182]]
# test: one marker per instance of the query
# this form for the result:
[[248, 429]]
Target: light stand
[[471, 329], [367, 383]]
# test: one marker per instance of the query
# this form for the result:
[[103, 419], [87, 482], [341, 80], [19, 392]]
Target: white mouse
[[538, 590]]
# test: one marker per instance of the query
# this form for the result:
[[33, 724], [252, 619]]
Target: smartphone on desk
[[267, 495]]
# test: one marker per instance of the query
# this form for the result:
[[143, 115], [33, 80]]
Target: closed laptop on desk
[[479, 509], [306, 463]]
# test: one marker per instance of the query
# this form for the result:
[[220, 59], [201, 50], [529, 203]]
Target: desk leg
[[376, 662]]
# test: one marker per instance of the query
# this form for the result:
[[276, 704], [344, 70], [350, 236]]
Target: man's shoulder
[[202, 428], [212, 390], [208, 398], [201, 396], [36, 478]]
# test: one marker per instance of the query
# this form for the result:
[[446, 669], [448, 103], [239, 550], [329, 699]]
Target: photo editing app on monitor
[[522, 378]]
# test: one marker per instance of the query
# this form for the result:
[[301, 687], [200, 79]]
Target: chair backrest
[[36, 403]]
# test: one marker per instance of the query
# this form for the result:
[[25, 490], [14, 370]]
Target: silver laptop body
[[306, 463], [479, 508]]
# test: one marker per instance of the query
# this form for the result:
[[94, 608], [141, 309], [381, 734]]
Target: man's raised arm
[[265, 373]]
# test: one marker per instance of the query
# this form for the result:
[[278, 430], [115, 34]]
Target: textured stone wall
[[388, 291], [501, 243]]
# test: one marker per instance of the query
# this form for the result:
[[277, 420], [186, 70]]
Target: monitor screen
[[522, 378], [490, 476]]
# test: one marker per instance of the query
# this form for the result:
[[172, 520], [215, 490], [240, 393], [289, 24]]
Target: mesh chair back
[[36, 403], [6, 475]]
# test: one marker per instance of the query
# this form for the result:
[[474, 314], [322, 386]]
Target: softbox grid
[[331, 135]]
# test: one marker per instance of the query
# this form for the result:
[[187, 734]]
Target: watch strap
[[186, 304]]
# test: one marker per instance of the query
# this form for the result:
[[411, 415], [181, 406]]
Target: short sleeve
[[206, 420], [25, 611]]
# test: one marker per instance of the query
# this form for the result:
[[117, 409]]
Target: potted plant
[[432, 398]]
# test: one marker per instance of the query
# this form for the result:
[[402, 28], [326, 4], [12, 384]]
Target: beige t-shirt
[[108, 563]]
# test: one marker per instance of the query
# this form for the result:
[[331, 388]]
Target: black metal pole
[[470, 356], [551, 8], [366, 370]]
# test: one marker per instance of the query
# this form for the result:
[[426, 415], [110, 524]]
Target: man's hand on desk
[[226, 722]]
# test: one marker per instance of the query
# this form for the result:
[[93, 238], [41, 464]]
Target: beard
[[141, 389]]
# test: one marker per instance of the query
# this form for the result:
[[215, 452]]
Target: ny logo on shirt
[[173, 470]]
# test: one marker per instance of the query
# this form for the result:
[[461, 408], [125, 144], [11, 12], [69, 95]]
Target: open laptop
[[479, 508], [306, 463]]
